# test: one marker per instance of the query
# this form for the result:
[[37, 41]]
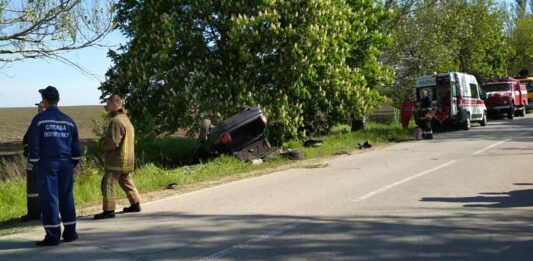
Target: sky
[[20, 81]]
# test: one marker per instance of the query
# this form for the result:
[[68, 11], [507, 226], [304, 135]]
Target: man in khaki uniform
[[119, 160]]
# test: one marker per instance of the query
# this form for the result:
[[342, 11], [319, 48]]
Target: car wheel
[[484, 120], [466, 124]]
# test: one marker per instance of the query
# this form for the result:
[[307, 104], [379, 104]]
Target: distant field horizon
[[60, 106], [15, 122]]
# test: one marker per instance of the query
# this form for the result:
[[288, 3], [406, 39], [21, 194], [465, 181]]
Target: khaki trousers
[[125, 181]]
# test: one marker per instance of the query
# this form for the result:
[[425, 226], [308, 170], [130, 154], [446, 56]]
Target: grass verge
[[149, 177]]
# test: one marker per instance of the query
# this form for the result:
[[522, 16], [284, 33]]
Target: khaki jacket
[[119, 143]]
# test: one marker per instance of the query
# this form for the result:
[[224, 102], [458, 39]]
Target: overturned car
[[242, 135]]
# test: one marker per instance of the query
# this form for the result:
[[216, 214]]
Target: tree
[[520, 40], [441, 36], [35, 29], [311, 61]]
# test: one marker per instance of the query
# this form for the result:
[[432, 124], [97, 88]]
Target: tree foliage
[[300, 61], [48, 28], [440, 36], [520, 39]]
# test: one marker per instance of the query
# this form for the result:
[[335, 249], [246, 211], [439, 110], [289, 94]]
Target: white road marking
[[299, 222], [383, 189], [491, 146], [257, 239]]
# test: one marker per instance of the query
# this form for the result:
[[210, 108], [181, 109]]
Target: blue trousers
[[55, 192]]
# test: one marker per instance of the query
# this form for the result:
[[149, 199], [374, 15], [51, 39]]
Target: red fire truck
[[505, 95]]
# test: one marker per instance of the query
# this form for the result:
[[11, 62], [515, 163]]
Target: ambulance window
[[474, 91]]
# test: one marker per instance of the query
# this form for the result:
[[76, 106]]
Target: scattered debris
[[418, 133], [313, 142], [172, 186], [257, 161], [365, 145], [292, 154]]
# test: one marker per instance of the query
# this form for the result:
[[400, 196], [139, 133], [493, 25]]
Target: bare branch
[[34, 29]]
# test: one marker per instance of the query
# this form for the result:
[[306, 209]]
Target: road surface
[[466, 195]]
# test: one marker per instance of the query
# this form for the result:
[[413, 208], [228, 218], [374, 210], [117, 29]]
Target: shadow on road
[[496, 130], [511, 199], [183, 236]]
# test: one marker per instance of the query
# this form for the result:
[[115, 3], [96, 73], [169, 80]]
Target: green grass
[[13, 198], [150, 177]]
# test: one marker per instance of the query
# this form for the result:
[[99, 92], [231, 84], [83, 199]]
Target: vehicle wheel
[[483, 121], [466, 124], [523, 111]]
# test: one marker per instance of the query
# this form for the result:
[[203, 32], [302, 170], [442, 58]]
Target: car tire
[[466, 124], [483, 121], [523, 111]]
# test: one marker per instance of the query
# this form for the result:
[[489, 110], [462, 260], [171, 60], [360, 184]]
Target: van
[[458, 94]]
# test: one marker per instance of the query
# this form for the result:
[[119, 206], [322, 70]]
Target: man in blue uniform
[[55, 149]]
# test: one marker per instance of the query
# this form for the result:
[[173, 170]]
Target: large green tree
[[520, 39], [440, 36], [300, 61]]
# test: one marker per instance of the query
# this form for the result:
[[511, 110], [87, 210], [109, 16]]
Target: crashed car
[[242, 135]]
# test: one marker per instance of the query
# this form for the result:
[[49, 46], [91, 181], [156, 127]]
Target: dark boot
[[70, 238], [136, 207], [47, 242], [105, 214]]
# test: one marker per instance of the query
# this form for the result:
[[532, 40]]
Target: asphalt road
[[466, 195]]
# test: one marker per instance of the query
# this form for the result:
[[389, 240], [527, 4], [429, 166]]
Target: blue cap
[[50, 92]]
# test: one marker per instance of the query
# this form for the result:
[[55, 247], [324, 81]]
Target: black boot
[[136, 207], [70, 238], [47, 242], [105, 214]]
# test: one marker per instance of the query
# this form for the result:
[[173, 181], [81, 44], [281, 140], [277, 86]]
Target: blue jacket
[[53, 135]]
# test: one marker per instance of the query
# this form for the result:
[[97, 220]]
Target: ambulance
[[458, 93]]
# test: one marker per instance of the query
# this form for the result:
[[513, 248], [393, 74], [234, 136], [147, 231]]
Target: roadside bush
[[167, 152]]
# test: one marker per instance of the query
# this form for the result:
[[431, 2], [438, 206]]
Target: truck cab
[[505, 95], [456, 93]]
